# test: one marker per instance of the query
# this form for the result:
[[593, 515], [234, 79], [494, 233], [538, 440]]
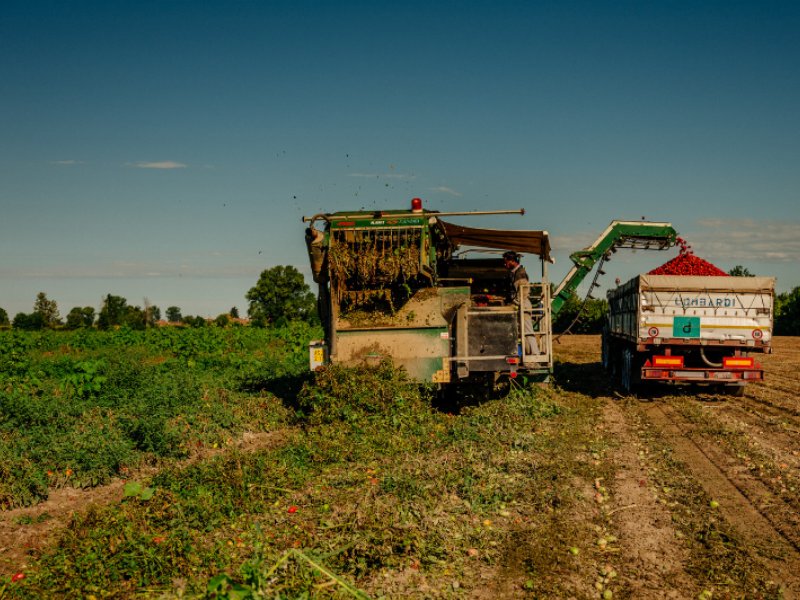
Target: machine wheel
[[628, 376], [734, 389], [614, 362]]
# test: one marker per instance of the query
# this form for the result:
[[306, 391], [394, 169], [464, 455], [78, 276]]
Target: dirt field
[[678, 446]]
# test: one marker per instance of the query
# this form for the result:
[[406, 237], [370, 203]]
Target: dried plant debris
[[374, 271], [368, 259]]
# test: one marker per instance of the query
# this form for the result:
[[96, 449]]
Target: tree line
[[114, 312], [281, 295]]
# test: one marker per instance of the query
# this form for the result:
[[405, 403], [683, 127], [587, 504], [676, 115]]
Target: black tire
[[734, 389], [615, 361], [605, 351], [629, 378]]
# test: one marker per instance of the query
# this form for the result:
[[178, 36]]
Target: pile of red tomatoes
[[686, 263]]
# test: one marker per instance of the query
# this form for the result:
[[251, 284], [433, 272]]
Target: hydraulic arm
[[645, 235]]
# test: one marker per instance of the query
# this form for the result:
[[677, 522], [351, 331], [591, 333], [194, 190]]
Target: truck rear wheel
[[605, 351], [734, 389], [614, 362], [629, 378]]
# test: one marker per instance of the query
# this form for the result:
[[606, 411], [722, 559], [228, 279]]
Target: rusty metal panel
[[423, 352]]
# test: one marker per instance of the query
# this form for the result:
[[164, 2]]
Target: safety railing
[[535, 326]]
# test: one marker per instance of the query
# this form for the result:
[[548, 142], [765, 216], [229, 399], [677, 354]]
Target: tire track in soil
[[746, 503], [786, 410], [783, 392], [765, 498], [777, 378], [780, 375], [769, 413], [780, 443], [655, 559], [781, 370]]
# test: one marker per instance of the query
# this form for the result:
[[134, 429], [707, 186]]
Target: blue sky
[[167, 150]]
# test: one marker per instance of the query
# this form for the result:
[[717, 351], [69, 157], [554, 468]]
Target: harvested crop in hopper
[[686, 263], [375, 269], [371, 259]]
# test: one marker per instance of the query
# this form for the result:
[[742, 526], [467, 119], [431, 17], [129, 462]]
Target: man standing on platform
[[519, 277]]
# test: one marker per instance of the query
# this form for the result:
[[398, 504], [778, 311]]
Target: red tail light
[[738, 362], [675, 362]]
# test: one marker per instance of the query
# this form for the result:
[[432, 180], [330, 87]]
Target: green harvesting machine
[[435, 297]]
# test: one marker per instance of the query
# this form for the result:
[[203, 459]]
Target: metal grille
[[362, 259]]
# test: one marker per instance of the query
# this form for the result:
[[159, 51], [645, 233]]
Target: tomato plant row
[[79, 408]]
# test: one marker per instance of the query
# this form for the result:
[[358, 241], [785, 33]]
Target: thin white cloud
[[133, 271], [382, 175], [571, 243], [164, 164], [738, 240], [67, 162], [445, 190], [215, 264]]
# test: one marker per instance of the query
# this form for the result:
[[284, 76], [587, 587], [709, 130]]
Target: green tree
[[281, 293], [234, 312], [74, 319], [29, 322], [740, 271], [193, 321], [3, 318], [591, 319], [222, 320], [80, 317], [135, 318], [787, 313], [174, 314], [151, 314], [113, 312], [47, 309]]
